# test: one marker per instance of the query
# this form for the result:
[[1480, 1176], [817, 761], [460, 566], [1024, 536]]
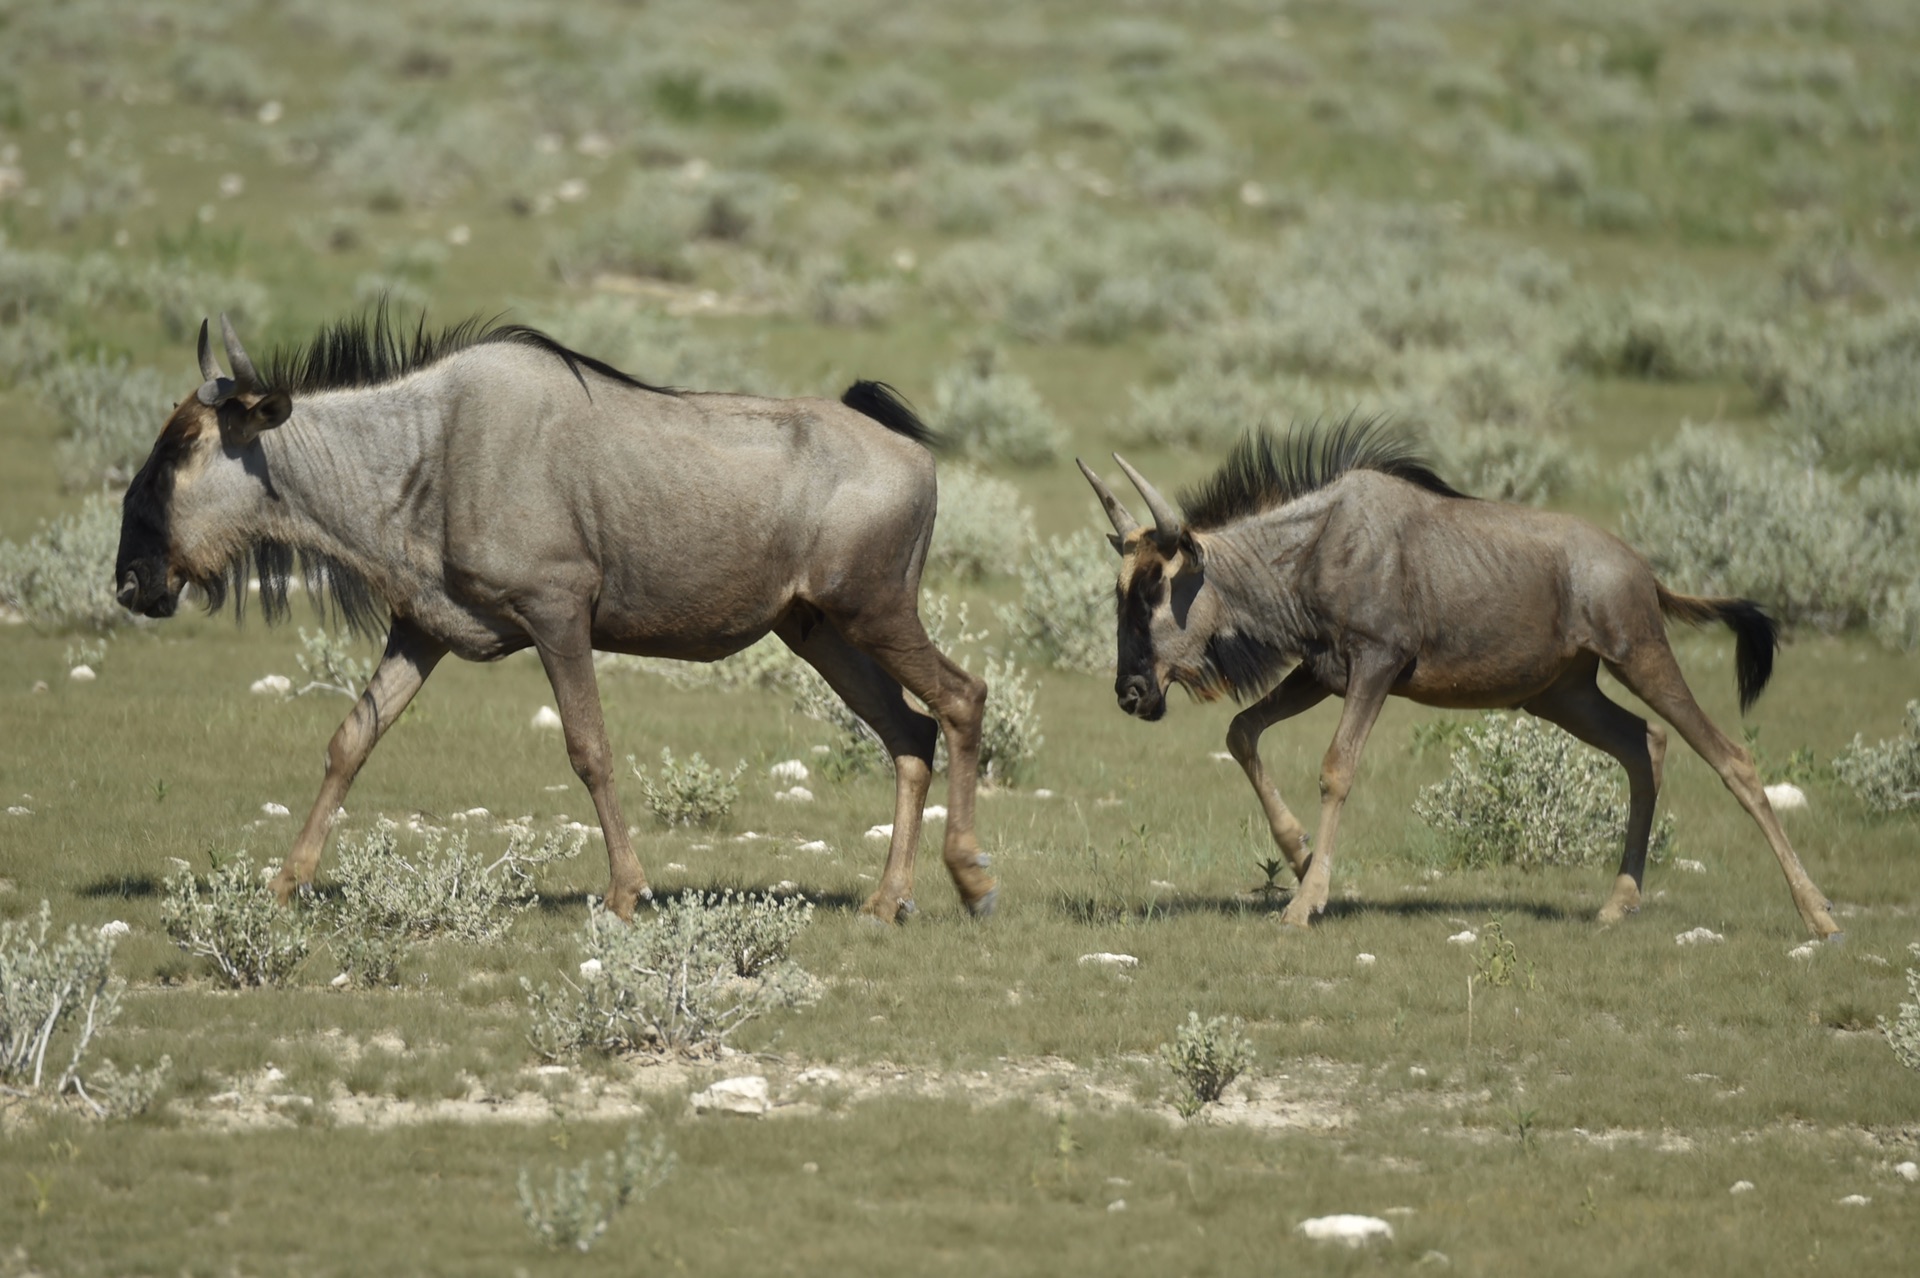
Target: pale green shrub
[[1903, 1032], [831, 292], [1010, 737], [689, 793], [247, 936], [1206, 410], [1525, 793], [330, 665], [679, 982], [1886, 776], [1205, 1057], [655, 347], [581, 1205], [53, 998], [1655, 340], [112, 413], [985, 410], [62, 577], [646, 234], [1065, 612], [983, 527], [1504, 464]]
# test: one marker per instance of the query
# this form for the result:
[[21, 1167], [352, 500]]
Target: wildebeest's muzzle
[[1139, 697]]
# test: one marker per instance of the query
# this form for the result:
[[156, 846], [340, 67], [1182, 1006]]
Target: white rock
[[1118, 1204], [1364, 960], [676, 867], [82, 674], [273, 685], [823, 749], [1043, 794], [551, 1071], [786, 885], [546, 717], [1805, 950], [1416, 1071], [815, 845], [476, 814], [934, 812], [275, 809], [1786, 797], [17, 810], [115, 929], [1699, 936], [751, 836], [1351, 1230], [881, 833], [798, 794], [789, 770], [1741, 1187], [341, 981], [1907, 1171], [1467, 937], [589, 969], [1221, 756], [818, 1076], [1691, 867], [1106, 959], [1855, 1200], [744, 1095]]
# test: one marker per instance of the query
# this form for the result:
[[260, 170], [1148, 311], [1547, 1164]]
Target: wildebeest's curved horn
[[1166, 523], [209, 367], [244, 375], [1123, 520]]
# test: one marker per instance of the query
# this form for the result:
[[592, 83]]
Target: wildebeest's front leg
[[1367, 687], [1297, 692], [408, 660], [567, 655]]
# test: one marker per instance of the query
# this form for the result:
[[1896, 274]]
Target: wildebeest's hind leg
[[1297, 692], [1368, 683], [408, 660], [1654, 676], [567, 655], [1577, 704], [898, 641], [905, 733]]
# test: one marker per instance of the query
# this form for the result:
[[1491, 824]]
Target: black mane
[[371, 350], [885, 405], [1263, 472]]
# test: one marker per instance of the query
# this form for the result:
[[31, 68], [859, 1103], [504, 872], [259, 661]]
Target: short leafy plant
[[584, 1199], [1903, 1031], [679, 983], [693, 792], [237, 926], [52, 996], [1205, 1057], [1886, 776]]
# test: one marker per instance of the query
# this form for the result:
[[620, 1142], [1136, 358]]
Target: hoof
[[1837, 938], [982, 907], [886, 913]]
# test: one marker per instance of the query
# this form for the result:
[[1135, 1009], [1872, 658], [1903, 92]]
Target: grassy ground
[[998, 1101]]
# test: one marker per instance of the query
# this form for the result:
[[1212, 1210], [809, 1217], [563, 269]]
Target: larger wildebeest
[[485, 489], [1344, 562]]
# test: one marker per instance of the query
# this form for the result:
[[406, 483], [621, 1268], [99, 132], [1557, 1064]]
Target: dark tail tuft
[[1756, 636], [884, 404]]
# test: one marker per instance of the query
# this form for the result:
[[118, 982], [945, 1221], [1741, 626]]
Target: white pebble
[[934, 812], [275, 809], [1221, 756], [786, 885], [1118, 1204], [1351, 1230], [1043, 794], [546, 717], [1907, 1171], [676, 867], [1464, 938], [881, 833], [82, 674], [1105, 959], [789, 770], [1691, 867], [746, 1095], [823, 749], [1855, 1200], [1786, 797], [1364, 960], [798, 794], [1741, 1187], [115, 929], [1699, 936], [270, 112], [590, 969], [815, 845], [341, 981], [751, 836], [1416, 1071], [17, 810], [273, 685], [1806, 950]]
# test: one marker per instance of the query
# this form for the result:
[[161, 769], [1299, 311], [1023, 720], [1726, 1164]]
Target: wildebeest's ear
[[240, 426]]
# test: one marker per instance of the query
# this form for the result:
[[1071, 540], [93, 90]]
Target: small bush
[[983, 526], [330, 665], [62, 577], [389, 897], [1206, 410], [1065, 612], [689, 793], [581, 1205], [1505, 464], [1525, 793], [1903, 1032], [112, 414], [53, 999], [680, 983], [1205, 1057], [991, 413], [1886, 776], [1010, 738], [248, 937]]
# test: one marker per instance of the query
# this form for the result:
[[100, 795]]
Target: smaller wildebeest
[[484, 489], [1342, 561]]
